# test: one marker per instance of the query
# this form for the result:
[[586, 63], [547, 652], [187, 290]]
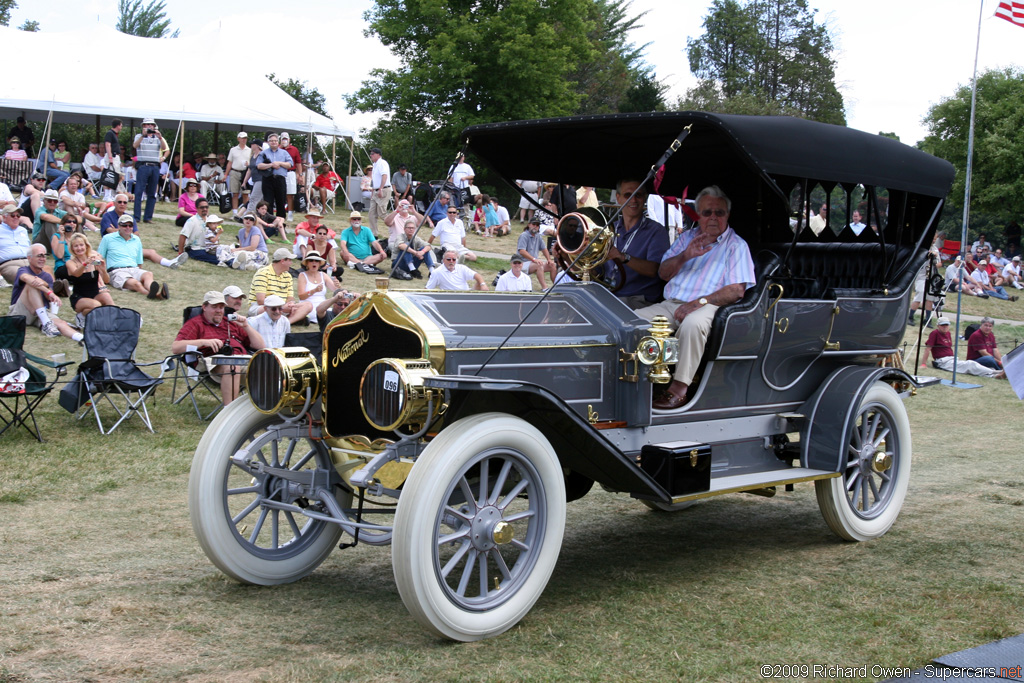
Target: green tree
[[765, 56], [30, 26], [616, 75], [310, 97], [997, 174], [6, 7], [147, 21]]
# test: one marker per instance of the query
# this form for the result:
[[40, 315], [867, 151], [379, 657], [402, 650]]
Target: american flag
[[1012, 12]]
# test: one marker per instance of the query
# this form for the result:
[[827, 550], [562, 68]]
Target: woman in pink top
[[187, 202], [16, 153]]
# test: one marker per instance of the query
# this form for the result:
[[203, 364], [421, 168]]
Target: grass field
[[104, 581]]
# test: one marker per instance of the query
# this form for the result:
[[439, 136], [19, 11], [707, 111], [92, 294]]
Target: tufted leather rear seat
[[844, 269]]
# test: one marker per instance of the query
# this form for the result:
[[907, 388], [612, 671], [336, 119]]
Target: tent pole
[[44, 144], [351, 157]]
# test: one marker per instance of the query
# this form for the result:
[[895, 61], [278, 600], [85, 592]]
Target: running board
[[738, 483]]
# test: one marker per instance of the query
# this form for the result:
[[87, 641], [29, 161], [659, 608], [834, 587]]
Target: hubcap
[[870, 465]]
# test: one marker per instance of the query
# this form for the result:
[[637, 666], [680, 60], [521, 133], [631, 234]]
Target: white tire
[[479, 527], [246, 541], [865, 500]]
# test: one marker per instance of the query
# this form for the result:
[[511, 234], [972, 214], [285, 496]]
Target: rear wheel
[[247, 540], [479, 527], [865, 500]]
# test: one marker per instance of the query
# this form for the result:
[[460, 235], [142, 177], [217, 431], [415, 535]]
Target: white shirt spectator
[[508, 282], [381, 169], [457, 278], [5, 195], [450, 232], [459, 175], [273, 333], [92, 159], [1012, 271]]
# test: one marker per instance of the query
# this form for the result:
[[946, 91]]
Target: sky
[[895, 58]]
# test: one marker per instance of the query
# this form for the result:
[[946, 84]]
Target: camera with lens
[[232, 317]]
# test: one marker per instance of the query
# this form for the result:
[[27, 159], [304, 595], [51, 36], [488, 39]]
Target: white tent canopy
[[123, 77]]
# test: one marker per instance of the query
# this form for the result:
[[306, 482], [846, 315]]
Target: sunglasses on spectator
[[451, 259], [713, 212], [273, 308], [121, 201], [454, 212]]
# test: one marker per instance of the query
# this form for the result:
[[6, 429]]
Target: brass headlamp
[[658, 349]]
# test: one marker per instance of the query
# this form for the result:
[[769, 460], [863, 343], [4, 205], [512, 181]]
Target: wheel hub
[[488, 529], [881, 462]]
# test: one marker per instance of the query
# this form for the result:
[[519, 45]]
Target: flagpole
[[967, 187]]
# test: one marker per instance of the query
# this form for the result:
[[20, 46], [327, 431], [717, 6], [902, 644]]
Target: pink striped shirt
[[727, 263]]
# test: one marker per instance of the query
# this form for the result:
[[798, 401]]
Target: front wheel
[[248, 540], [479, 527], [865, 500]]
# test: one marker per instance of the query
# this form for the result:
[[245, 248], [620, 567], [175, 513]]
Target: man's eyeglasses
[[713, 212], [273, 309], [120, 201], [203, 207], [450, 260], [454, 213]]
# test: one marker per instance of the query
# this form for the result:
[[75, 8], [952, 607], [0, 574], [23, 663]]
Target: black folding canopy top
[[767, 165], [598, 150]]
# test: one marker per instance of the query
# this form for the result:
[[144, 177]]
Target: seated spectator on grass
[[55, 238], [271, 323], [504, 225], [16, 153], [438, 210], [193, 238], [14, 243], [982, 346], [306, 231], [32, 197], [63, 156], [49, 212], [33, 297], [323, 244], [403, 215], [981, 275], [234, 298], [452, 235], [1011, 273], [360, 248], [87, 273], [187, 202], [122, 251], [251, 252], [92, 163], [454, 275], [269, 224], [412, 251], [110, 225], [47, 164], [73, 201], [211, 334], [314, 285], [276, 279], [940, 347], [954, 284], [531, 247], [515, 280]]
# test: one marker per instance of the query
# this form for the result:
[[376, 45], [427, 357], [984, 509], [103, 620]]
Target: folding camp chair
[[19, 399], [192, 374], [110, 371]]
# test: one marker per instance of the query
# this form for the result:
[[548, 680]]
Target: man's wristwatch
[[703, 301], [626, 258]]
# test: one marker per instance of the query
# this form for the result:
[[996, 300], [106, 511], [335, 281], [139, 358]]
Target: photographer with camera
[[211, 333], [150, 149]]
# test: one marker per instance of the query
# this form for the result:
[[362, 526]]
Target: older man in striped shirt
[[705, 268]]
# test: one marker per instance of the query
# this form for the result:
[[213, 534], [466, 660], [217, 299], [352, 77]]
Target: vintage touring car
[[456, 426]]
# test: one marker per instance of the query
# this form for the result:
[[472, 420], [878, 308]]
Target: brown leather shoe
[[669, 401]]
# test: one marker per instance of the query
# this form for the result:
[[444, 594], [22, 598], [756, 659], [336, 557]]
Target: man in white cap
[[238, 164], [122, 251], [49, 212], [211, 175], [271, 323], [192, 238], [452, 234], [149, 149], [940, 346], [234, 298], [982, 276], [210, 333], [306, 231], [1011, 273], [294, 173], [276, 279]]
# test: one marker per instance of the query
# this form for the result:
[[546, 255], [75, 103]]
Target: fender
[[830, 412], [580, 447]]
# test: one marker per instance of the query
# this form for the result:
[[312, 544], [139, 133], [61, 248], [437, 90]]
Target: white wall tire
[[863, 503], [448, 545], [245, 541]]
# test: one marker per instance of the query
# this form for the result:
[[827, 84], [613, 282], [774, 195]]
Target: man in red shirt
[[940, 347], [982, 346], [326, 183], [209, 333]]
